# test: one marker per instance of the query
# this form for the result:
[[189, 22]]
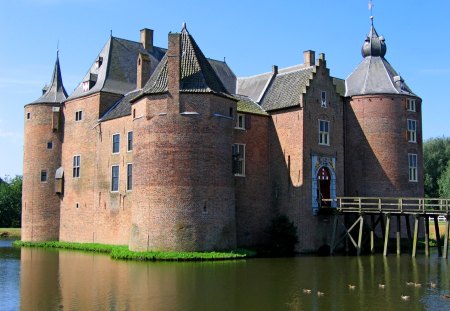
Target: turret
[[42, 158], [383, 128], [183, 190]]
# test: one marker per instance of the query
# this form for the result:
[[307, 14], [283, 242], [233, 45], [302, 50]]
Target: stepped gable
[[197, 74], [114, 70], [374, 75], [55, 93], [286, 88]]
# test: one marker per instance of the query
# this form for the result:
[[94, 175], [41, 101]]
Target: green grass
[[10, 233], [122, 252]]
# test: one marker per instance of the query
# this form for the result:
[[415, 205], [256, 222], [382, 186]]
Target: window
[[238, 151], [99, 62], [28, 115], [78, 115], [44, 176], [411, 104], [130, 141], [324, 132], [49, 145], [129, 177], [115, 178], [412, 163], [116, 143], [240, 121], [76, 166], [323, 99], [412, 134], [86, 85]]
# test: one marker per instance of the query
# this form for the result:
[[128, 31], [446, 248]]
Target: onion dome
[[374, 45]]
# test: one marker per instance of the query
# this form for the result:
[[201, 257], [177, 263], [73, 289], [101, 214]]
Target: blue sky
[[251, 35]]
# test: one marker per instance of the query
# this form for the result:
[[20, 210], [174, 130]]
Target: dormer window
[[99, 62], [88, 84], [85, 86], [323, 99]]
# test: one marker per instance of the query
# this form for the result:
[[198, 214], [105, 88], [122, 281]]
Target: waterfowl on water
[[306, 291], [445, 296], [405, 297], [350, 286], [433, 285], [410, 283], [381, 285], [417, 285], [319, 293]]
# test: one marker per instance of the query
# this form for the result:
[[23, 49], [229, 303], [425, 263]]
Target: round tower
[[383, 137], [183, 191], [42, 158]]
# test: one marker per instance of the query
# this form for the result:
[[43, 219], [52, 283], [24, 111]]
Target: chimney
[[174, 72], [275, 69], [309, 58], [147, 39], [322, 59], [143, 70]]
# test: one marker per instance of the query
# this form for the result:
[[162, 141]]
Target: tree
[[436, 153], [283, 236], [444, 183], [10, 202]]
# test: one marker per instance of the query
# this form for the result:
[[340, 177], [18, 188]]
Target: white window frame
[[128, 141], [412, 130], [411, 105], [76, 165], [239, 148], [323, 99], [115, 177], [324, 135], [45, 172], [78, 115], [240, 121], [129, 176], [113, 144], [86, 85], [412, 167]]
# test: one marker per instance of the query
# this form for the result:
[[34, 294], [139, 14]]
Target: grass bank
[[122, 252], [10, 233]]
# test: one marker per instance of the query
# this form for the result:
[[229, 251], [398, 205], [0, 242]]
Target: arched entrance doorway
[[323, 187]]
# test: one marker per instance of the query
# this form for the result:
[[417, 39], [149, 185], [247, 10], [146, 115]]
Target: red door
[[323, 187]]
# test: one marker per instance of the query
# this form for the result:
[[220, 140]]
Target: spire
[[374, 45], [55, 92]]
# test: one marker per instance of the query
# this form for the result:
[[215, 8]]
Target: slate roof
[[55, 93], [225, 74], [197, 74], [374, 75], [286, 88], [117, 73], [254, 86], [247, 105], [121, 108]]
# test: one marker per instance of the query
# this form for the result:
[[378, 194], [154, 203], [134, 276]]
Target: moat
[[39, 279]]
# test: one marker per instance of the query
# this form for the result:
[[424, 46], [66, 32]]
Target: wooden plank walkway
[[381, 211]]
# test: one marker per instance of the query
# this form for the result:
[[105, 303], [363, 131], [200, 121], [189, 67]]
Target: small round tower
[[183, 187], [42, 158], [383, 130]]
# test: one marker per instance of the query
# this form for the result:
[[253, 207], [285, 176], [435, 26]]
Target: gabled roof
[[374, 75], [286, 88], [196, 76], [247, 105], [255, 86], [121, 108], [55, 93], [117, 70]]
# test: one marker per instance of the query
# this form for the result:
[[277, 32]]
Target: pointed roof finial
[[184, 28], [371, 5]]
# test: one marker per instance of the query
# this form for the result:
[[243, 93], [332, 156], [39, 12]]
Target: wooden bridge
[[372, 212]]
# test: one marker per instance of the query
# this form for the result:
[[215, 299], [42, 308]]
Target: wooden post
[[382, 224], [416, 232], [361, 223], [386, 234], [446, 238], [427, 236], [398, 235], [438, 236], [333, 236], [372, 229], [408, 231]]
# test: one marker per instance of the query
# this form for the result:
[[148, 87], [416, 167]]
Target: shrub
[[283, 236]]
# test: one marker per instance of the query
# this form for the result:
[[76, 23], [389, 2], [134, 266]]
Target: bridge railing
[[431, 206]]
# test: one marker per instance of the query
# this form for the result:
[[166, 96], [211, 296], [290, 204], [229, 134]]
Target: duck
[[405, 297], [381, 285], [417, 285], [350, 286], [306, 291], [319, 293], [445, 296], [433, 284], [410, 283]]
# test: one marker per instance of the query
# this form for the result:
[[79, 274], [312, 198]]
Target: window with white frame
[[86, 86], [78, 115], [412, 131], [76, 166], [323, 99], [411, 104], [115, 178], [130, 141], [116, 143], [324, 132], [240, 121], [238, 152], [412, 163], [44, 176], [129, 176]]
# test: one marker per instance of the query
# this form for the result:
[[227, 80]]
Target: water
[[37, 279]]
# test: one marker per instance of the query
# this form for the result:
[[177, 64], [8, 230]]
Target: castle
[[165, 149]]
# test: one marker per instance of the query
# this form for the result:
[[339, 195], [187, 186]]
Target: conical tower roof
[[374, 75], [196, 73], [55, 93]]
